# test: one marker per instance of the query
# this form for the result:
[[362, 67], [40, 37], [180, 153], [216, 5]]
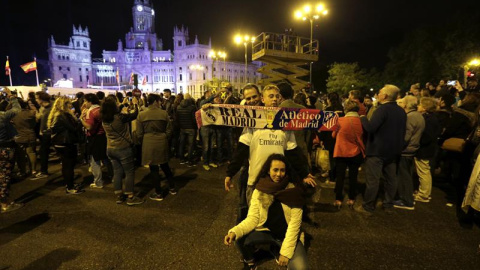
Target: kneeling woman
[[274, 216]]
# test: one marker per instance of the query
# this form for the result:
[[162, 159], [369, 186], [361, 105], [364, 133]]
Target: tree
[[434, 53], [344, 77]]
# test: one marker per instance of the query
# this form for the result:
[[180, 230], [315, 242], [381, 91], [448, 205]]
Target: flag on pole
[[7, 68], [30, 66], [117, 77], [131, 79], [144, 82]]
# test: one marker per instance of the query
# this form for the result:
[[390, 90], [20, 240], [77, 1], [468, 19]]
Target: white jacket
[[257, 216]]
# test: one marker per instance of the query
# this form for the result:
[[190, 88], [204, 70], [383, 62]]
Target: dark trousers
[[155, 171], [7, 160], [242, 194], [375, 169], [406, 166], [45, 142], [187, 137], [68, 156], [352, 163]]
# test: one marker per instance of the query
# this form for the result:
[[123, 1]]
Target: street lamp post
[[307, 13], [214, 55], [245, 40]]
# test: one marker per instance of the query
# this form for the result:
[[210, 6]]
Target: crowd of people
[[403, 139]]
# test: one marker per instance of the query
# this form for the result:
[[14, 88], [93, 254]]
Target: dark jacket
[[24, 122], [118, 131], [185, 116], [5, 118], [386, 131], [65, 129], [461, 124], [429, 138]]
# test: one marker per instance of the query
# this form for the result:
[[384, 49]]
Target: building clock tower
[[142, 35]]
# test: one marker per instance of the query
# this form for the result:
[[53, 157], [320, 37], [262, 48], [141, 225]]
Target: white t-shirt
[[263, 143]]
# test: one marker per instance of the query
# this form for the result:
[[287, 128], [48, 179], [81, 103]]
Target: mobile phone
[[453, 83]]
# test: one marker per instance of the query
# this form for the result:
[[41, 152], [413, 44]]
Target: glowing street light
[[472, 63], [307, 13], [239, 39]]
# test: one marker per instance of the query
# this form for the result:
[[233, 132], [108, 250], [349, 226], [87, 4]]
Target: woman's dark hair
[[268, 163], [119, 96], [301, 99], [92, 98], [109, 109], [334, 99]]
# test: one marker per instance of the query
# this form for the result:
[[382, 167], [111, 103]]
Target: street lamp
[[224, 56], [214, 55], [473, 63], [239, 39], [307, 12]]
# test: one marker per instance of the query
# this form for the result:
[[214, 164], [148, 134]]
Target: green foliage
[[344, 77]]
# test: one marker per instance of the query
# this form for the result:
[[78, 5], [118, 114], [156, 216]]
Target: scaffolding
[[284, 56]]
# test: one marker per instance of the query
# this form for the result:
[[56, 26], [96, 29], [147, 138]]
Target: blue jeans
[[376, 168], [96, 171], [246, 246], [207, 144], [224, 134], [187, 136], [123, 164]]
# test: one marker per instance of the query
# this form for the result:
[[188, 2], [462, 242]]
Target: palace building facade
[[188, 68]]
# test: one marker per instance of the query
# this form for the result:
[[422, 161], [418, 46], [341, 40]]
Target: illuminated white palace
[[188, 68]]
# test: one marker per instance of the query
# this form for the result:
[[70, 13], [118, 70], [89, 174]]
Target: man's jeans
[[405, 180], [187, 136], [224, 134], [375, 169], [246, 246], [123, 164], [207, 144]]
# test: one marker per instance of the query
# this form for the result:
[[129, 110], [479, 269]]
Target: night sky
[[354, 30]]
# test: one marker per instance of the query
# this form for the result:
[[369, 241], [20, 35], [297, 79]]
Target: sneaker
[[93, 185], [11, 207], [213, 165], [191, 164], [156, 197], [134, 201], [74, 191], [401, 205], [39, 176], [172, 191], [206, 167], [360, 209], [418, 198], [121, 198], [183, 161]]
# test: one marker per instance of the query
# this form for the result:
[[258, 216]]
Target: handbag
[[454, 144], [322, 159]]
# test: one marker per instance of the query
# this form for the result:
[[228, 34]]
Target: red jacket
[[349, 136]]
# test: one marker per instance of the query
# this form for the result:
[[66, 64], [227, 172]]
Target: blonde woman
[[64, 127]]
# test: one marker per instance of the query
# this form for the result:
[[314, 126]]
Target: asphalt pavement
[[185, 231]]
